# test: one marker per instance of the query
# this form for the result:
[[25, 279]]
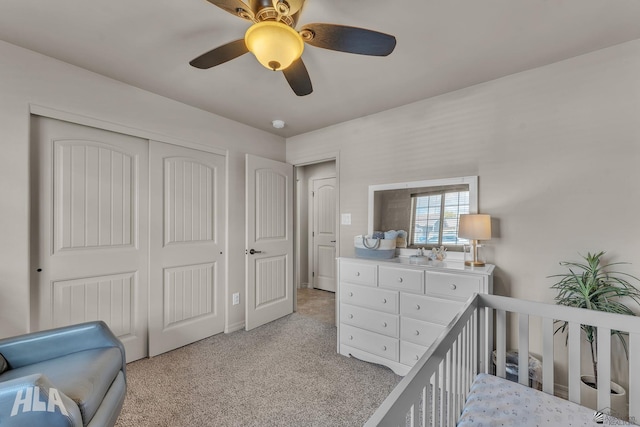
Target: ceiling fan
[[278, 46]]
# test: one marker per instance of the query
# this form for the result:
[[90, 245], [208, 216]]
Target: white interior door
[[269, 249], [187, 244], [90, 224], [324, 234]]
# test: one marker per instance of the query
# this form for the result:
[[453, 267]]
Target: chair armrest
[[39, 346], [33, 401]]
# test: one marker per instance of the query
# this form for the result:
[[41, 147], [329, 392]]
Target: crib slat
[[574, 361], [414, 412], [448, 386], [427, 416], [487, 333], [475, 345], [465, 367], [634, 377], [455, 378], [437, 396], [523, 349], [463, 364], [501, 343], [423, 398], [547, 355], [470, 364], [475, 332], [604, 368]]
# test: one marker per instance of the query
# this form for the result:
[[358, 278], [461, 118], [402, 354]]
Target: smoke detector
[[278, 124]]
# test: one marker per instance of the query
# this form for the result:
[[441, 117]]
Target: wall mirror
[[428, 210]]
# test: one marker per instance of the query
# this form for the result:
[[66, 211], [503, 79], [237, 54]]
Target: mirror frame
[[472, 181]]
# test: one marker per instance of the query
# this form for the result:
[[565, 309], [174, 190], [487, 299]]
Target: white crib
[[434, 392]]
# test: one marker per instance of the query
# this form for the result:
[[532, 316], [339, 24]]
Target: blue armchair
[[69, 376]]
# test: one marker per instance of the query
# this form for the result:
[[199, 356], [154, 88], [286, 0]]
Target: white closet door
[[90, 225], [187, 244], [269, 250]]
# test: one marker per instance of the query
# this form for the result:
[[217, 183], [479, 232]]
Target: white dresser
[[390, 312]]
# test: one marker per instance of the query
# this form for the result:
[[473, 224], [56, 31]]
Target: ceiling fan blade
[[234, 7], [348, 39], [220, 55], [298, 78]]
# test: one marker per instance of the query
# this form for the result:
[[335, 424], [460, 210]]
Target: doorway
[[316, 239]]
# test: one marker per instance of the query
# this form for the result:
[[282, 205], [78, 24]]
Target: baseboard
[[234, 327], [561, 391]]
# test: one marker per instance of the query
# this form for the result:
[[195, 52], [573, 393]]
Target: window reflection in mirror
[[428, 210]]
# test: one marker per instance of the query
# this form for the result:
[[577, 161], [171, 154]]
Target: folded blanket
[[391, 235]]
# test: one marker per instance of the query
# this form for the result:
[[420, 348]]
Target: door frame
[[301, 162]]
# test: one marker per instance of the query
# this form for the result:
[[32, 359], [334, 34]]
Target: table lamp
[[475, 227]]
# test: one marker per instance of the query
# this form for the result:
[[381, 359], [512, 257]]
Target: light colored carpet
[[286, 373]]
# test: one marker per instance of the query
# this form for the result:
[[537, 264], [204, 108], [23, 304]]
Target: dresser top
[[420, 264]]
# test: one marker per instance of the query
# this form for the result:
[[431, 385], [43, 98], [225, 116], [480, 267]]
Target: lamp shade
[[274, 44], [475, 227]]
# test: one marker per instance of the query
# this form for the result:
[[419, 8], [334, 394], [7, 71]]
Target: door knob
[[253, 251]]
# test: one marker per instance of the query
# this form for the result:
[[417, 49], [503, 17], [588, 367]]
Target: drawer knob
[[384, 324], [417, 306], [399, 279], [350, 337], [357, 273], [350, 294], [453, 286], [384, 348], [351, 316], [417, 332], [384, 300]]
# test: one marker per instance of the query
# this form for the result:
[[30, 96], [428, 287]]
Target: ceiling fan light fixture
[[275, 45]]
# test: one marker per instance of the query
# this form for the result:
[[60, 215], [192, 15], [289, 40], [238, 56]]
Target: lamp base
[[474, 263]]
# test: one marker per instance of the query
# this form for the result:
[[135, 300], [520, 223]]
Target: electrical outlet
[[236, 298]]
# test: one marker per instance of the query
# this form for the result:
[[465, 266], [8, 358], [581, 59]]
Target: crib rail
[[434, 391]]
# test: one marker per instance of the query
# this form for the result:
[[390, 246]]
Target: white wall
[[30, 78], [556, 150]]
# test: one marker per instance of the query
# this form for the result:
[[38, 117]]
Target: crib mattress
[[494, 401]]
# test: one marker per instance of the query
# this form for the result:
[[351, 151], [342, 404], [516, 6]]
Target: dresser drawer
[[362, 296], [375, 321], [401, 278], [371, 342], [360, 273], [458, 286], [434, 310], [419, 332], [410, 353]]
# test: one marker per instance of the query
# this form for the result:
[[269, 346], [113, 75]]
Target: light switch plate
[[346, 219]]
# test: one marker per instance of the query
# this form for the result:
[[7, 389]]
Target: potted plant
[[593, 286]]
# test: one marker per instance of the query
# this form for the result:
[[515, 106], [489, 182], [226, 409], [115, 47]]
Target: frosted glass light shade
[[475, 227], [274, 44]]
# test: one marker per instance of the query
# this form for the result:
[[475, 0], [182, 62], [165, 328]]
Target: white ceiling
[[442, 45]]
